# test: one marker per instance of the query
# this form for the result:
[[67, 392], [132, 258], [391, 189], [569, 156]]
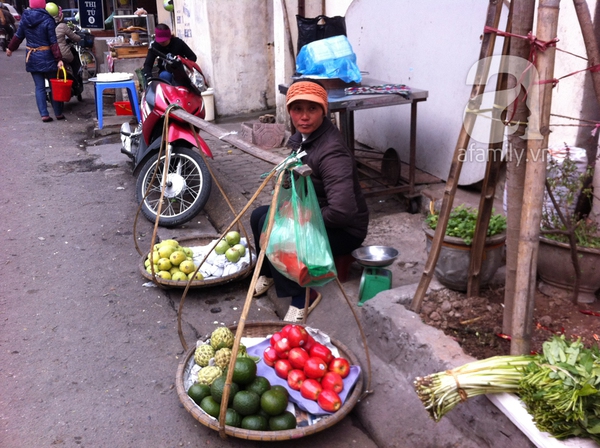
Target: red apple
[[298, 356], [310, 389], [297, 336], [295, 378], [332, 381], [329, 401], [282, 368], [285, 330], [310, 341], [282, 346], [320, 351], [315, 367], [276, 337], [341, 366], [270, 356]]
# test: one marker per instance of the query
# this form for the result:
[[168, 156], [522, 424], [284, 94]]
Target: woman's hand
[[8, 52], [61, 64]]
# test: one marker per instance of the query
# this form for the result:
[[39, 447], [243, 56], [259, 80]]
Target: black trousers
[[341, 243]]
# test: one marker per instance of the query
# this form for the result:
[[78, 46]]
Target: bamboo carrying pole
[[487, 48], [535, 176]]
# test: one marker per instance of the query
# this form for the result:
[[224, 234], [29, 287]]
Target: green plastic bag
[[298, 246]]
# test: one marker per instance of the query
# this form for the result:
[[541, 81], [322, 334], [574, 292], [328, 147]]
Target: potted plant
[[566, 232], [452, 268]]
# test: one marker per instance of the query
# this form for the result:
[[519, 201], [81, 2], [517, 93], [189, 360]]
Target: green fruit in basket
[[242, 353], [246, 402], [166, 251], [188, 251], [210, 406], [172, 243], [198, 391], [281, 389], [286, 420], [233, 418], [222, 357], [164, 264], [208, 374], [197, 276], [273, 402], [244, 371], [179, 276], [177, 257], [222, 337], [232, 255], [216, 390], [232, 238], [221, 247], [187, 267], [260, 385], [165, 275], [203, 354], [255, 423], [241, 249]]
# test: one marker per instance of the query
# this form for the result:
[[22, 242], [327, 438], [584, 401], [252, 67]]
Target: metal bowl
[[375, 255]]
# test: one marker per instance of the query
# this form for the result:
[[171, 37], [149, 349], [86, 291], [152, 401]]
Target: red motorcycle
[[188, 181]]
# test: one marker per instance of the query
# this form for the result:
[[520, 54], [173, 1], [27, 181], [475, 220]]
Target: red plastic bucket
[[61, 88], [123, 108]]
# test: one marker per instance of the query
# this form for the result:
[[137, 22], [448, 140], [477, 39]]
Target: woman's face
[[306, 115]]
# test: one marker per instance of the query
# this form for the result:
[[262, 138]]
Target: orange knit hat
[[306, 90]]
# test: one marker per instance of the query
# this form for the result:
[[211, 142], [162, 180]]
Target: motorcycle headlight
[[196, 79]]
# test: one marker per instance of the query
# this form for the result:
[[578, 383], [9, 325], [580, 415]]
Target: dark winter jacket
[[335, 178], [37, 26], [176, 47]]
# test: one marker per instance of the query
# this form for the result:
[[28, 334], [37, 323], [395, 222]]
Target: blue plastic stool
[[133, 98]]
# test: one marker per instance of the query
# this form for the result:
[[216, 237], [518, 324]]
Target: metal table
[[345, 105]]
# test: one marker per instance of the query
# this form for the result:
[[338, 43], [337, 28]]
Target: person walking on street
[[43, 54], [7, 21], [338, 191]]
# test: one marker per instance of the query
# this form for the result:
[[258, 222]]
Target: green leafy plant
[[566, 186], [462, 221]]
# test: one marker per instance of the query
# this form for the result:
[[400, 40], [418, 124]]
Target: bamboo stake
[[492, 171], [523, 14], [487, 48], [535, 176]]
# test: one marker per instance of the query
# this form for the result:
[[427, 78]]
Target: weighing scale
[[374, 278]]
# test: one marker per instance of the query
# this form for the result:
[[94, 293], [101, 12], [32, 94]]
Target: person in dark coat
[[43, 54], [335, 178], [165, 43], [7, 22]]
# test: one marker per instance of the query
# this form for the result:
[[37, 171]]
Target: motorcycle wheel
[[187, 191]]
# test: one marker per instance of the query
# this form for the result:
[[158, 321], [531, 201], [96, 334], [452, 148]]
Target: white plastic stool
[[133, 98]]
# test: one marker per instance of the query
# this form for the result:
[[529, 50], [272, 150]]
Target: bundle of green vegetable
[[559, 387]]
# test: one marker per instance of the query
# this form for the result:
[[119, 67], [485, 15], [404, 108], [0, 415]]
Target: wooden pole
[[522, 23], [535, 177], [492, 171], [487, 49]]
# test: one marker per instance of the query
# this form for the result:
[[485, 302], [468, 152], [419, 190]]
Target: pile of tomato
[[308, 366]]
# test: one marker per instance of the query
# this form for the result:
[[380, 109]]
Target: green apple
[[232, 238], [240, 248], [177, 257], [149, 269], [172, 243], [221, 247], [165, 251], [164, 264], [187, 267], [179, 276], [174, 269], [155, 256], [188, 251], [146, 262], [232, 255]]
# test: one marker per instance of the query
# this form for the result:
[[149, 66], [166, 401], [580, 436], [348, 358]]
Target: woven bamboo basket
[[199, 241], [263, 329]]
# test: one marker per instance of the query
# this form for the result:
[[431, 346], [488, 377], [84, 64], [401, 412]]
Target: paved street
[[88, 353]]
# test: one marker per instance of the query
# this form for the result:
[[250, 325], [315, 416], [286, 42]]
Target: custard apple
[[208, 374], [203, 354], [222, 337], [222, 357], [242, 353]]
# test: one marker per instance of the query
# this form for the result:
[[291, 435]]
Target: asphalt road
[[88, 354]]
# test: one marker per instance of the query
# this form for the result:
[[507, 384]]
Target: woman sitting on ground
[[335, 179]]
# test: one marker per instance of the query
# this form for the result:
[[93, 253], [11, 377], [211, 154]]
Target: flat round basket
[[198, 241], [263, 329]]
